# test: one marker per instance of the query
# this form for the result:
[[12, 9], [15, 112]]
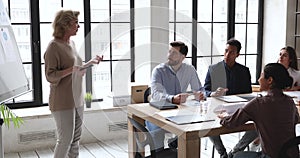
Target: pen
[[203, 121]]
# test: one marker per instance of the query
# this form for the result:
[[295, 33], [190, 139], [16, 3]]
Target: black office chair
[[146, 94], [294, 142], [144, 138]]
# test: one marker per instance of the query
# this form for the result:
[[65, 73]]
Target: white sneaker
[[255, 147]]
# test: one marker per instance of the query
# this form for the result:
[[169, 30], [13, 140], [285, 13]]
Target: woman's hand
[[223, 115], [96, 59]]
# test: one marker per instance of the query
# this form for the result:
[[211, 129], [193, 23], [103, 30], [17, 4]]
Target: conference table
[[189, 135]]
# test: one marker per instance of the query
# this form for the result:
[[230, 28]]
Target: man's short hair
[[183, 48], [236, 43]]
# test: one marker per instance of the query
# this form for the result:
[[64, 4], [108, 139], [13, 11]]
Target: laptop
[[163, 105]]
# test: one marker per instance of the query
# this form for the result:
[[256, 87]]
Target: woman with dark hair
[[288, 58], [274, 115]]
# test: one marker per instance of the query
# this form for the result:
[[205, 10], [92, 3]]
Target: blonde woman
[[63, 72]]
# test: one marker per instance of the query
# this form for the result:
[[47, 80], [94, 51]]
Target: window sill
[[40, 112]]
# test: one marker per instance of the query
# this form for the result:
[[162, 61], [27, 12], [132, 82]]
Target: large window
[[107, 28], [295, 9], [110, 36], [206, 26]]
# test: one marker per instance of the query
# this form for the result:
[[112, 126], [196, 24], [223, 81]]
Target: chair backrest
[[146, 94], [255, 88], [294, 142], [142, 138]]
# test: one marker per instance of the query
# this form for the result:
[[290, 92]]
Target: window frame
[[36, 48], [230, 33]]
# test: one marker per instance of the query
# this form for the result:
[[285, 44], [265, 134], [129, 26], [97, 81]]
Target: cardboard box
[[137, 93]]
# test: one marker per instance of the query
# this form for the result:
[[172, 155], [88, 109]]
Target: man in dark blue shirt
[[228, 78]]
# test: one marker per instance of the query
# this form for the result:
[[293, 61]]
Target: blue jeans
[[247, 138], [250, 154], [157, 134]]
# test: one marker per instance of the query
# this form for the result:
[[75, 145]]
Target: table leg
[[131, 140], [189, 145], [131, 137]]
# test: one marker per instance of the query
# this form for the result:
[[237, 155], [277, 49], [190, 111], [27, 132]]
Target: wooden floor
[[119, 148]]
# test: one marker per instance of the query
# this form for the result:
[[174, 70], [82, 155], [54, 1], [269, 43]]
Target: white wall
[[95, 128], [159, 31], [142, 45], [274, 36]]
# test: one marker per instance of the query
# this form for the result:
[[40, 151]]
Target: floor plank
[[113, 148], [45, 153], [97, 151], [28, 154], [83, 152], [122, 143], [11, 155]]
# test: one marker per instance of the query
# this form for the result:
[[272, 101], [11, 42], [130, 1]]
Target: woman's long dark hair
[[292, 56], [280, 75]]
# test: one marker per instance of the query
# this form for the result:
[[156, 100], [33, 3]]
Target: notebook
[[163, 105], [188, 119]]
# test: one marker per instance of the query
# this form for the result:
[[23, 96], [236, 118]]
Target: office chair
[[294, 142], [146, 94], [143, 138], [171, 142]]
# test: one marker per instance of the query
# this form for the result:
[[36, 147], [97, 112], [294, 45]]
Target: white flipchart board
[[13, 80]]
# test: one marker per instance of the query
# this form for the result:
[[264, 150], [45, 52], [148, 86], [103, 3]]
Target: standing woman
[[62, 70], [288, 58]]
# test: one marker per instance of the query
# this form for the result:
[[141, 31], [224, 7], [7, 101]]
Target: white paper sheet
[[176, 112], [230, 108], [232, 98]]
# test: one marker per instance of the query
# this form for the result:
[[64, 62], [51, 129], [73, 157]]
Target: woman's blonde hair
[[62, 22]]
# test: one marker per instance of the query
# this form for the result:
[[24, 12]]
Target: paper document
[[175, 112], [230, 108], [294, 94], [232, 98]]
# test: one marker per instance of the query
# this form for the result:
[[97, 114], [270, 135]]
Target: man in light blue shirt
[[170, 81]]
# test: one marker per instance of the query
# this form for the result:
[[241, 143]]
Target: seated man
[[228, 78], [170, 81]]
